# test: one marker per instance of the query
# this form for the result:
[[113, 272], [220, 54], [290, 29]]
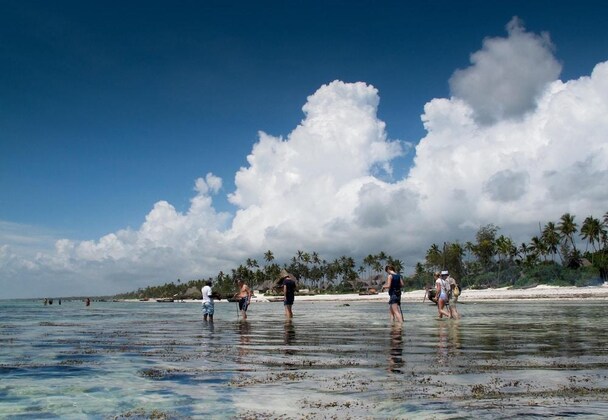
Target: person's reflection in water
[[206, 337], [448, 346], [209, 326], [442, 344], [244, 328], [395, 357], [455, 337], [289, 336]]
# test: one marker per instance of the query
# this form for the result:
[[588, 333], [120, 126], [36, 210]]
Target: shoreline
[[541, 292]]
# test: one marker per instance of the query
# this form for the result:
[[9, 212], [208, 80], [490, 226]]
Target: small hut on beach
[[191, 293]]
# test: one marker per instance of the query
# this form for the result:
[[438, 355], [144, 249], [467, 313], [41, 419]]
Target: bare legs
[[394, 311], [288, 312], [454, 312], [441, 308]]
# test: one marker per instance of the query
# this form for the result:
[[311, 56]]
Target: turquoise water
[[141, 360]]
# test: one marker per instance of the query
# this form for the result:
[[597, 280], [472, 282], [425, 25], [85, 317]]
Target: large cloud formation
[[513, 146], [508, 75]]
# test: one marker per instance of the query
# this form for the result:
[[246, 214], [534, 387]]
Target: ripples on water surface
[[139, 360]]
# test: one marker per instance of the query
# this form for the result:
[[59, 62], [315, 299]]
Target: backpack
[[445, 286]]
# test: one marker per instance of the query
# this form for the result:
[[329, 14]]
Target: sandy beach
[[541, 292]]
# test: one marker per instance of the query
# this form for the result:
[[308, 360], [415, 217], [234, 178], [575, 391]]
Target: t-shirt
[[445, 286], [454, 288], [207, 294], [395, 286], [290, 286]]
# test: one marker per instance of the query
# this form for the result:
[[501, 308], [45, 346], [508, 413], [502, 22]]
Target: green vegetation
[[492, 260]]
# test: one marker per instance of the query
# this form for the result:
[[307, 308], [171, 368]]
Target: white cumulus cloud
[[300, 186], [507, 75]]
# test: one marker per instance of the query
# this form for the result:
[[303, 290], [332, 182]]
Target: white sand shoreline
[[541, 292]]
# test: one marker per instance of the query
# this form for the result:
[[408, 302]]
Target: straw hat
[[282, 275]]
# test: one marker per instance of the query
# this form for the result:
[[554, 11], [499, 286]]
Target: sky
[[144, 142]]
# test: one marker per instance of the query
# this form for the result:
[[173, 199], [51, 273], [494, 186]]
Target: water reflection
[[244, 330], [448, 341], [455, 336], [210, 327], [207, 336], [515, 359], [395, 357], [442, 343], [289, 336]]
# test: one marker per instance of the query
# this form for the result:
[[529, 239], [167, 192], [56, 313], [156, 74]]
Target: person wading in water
[[394, 283]]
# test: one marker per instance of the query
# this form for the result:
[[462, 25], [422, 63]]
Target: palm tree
[[349, 275], [538, 248], [457, 251], [434, 257], [306, 258], [550, 237], [361, 270], [523, 251], [369, 262], [591, 230], [268, 256], [567, 228], [605, 232], [333, 269], [377, 266], [381, 258], [254, 263], [504, 247], [485, 248], [398, 264]]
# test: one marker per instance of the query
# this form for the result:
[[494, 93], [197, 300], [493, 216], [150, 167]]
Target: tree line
[[490, 260]]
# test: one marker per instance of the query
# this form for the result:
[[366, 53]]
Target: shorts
[[208, 308], [394, 299], [243, 304], [288, 301]]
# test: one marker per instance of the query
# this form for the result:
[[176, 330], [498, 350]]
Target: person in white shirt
[[208, 302], [442, 295]]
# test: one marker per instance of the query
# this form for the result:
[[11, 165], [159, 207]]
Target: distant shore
[[541, 292]]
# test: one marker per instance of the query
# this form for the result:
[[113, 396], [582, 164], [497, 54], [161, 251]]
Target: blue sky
[[108, 108]]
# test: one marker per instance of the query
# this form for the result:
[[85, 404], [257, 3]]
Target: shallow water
[[140, 360]]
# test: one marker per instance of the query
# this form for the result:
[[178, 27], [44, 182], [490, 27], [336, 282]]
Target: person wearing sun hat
[[289, 291], [442, 295], [453, 296]]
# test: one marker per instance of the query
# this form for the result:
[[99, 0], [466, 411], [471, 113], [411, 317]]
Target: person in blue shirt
[[394, 284]]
